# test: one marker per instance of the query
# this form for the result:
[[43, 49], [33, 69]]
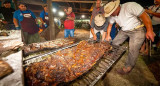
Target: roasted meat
[[3, 34], [5, 69], [47, 45], [65, 65]]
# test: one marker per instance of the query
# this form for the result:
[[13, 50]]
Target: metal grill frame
[[109, 58]]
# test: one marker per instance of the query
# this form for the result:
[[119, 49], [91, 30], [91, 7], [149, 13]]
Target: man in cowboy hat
[[98, 22], [128, 17]]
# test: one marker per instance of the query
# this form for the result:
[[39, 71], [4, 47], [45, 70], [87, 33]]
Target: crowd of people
[[130, 19], [26, 20]]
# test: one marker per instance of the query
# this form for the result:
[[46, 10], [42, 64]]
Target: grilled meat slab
[[65, 65]]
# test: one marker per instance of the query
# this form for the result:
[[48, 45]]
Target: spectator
[[98, 22], [154, 12], [69, 23], [44, 17], [27, 20], [7, 13]]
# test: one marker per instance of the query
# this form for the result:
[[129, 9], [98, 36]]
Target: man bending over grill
[[128, 17], [98, 22]]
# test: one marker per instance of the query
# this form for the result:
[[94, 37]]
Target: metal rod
[[75, 1], [150, 47]]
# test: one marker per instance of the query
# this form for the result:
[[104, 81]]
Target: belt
[[139, 26]]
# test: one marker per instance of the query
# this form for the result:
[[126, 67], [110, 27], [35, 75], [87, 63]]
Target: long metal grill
[[99, 69], [95, 73]]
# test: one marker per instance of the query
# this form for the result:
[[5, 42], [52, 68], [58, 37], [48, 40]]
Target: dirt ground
[[81, 34], [145, 73]]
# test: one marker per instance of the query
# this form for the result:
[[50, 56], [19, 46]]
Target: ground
[[145, 73]]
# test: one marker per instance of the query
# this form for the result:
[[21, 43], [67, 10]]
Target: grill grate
[[95, 73], [102, 66]]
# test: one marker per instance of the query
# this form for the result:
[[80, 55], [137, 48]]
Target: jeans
[[68, 32], [31, 38], [113, 31], [98, 34], [136, 39]]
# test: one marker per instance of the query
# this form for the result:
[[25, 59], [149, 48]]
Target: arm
[[42, 17], [152, 13], [72, 16], [42, 20], [147, 22], [15, 21], [91, 20], [94, 35], [108, 37], [104, 36], [36, 21]]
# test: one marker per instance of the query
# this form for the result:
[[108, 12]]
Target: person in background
[[128, 16], [26, 20], [44, 17], [97, 31], [154, 12], [7, 13], [97, 9], [69, 23]]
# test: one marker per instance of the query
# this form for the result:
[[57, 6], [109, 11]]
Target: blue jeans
[[98, 34], [113, 31], [68, 32]]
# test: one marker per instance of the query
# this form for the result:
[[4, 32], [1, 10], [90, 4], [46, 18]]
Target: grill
[[100, 68], [95, 73]]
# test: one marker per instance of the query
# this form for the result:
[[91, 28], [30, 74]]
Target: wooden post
[[52, 29]]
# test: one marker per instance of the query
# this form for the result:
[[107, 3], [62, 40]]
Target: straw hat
[[110, 7], [99, 19]]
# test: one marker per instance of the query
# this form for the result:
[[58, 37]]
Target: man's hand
[[108, 38], [4, 22], [149, 11], [65, 10], [150, 35], [94, 37]]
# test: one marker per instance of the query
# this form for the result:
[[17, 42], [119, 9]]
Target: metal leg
[[149, 50]]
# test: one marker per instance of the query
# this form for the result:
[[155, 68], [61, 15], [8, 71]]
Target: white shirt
[[128, 16], [155, 20]]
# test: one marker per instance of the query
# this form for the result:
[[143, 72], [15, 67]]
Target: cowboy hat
[[99, 20], [110, 7]]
